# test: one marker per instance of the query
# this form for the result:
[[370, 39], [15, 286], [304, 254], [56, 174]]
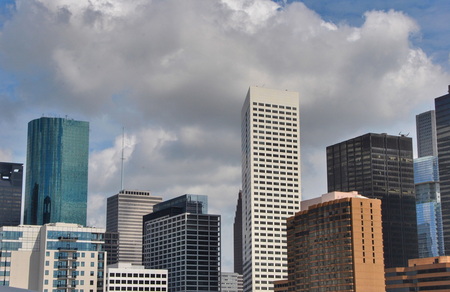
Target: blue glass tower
[[57, 171], [428, 206]]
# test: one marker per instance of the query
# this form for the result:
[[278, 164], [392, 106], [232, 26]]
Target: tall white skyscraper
[[271, 182]]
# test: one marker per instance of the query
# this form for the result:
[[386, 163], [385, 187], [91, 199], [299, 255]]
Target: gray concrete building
[[124, 214]]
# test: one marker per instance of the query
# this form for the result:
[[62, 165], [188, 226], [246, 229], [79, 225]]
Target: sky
[[173, 75]]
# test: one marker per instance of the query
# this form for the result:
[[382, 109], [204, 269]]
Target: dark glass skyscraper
[[10, 193], [442, 107], [57, 171], [380, 166], [426, 134], [183, 238]]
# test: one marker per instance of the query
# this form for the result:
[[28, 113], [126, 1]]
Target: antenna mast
[[122, 158]]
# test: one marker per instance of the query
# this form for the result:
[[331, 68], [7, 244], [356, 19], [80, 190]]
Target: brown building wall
[[367, 245], [336, 245]]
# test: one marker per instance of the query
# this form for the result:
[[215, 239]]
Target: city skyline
[[179, 97]]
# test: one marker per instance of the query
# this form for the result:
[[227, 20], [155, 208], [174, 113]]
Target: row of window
[[162, 289], [287, 213], [256, 121], [274, 206], [267, 110], [269, 276], [136, 275], [274, 133], [276, 177], [269, 229], [275, 155], [276, 128], [283, 195], [274, 117], [277, 166], [140, 282], [275, 150], [277, 190], [274, 105]]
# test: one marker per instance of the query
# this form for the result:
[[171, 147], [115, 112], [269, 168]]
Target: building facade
[[124, 217], [335, 243], [425, 274], [181, 237], [231, 282], [428, 207], [442, 107], [54, 257], [57, 171], [11, 175], [130, 277], [426, 134], [271, 184], [380, 166]]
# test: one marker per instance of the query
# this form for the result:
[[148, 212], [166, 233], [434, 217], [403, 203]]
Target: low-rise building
[[231, 282], [129, 277], [53, 257], [425, 274]]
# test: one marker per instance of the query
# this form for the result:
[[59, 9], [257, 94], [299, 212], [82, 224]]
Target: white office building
[[56, 257], [129, 277], [270, 182]]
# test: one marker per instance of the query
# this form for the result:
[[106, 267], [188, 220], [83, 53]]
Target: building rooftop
[[305, 204]]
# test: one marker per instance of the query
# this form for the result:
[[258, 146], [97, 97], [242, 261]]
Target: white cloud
[[6, 155], [249, 15], [105, 165]]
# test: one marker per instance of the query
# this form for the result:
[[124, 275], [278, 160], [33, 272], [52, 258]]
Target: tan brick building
[[335, 242], [426, 274]]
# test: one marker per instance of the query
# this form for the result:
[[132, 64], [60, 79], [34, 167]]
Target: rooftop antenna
[[122, 158]]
